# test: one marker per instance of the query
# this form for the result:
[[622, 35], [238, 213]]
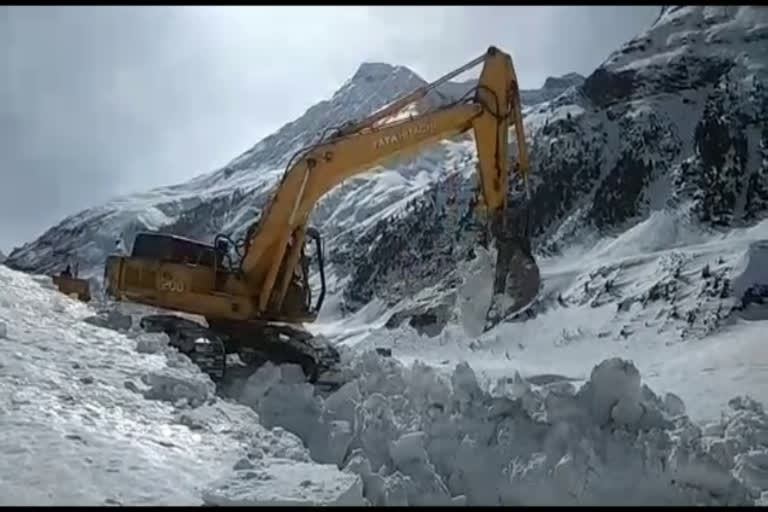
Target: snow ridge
[[420, 436]]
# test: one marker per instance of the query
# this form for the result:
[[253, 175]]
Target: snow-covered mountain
[[2, 257], [227, 199], [671, 124]]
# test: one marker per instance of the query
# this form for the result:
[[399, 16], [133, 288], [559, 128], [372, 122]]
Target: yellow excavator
[[255, 294]]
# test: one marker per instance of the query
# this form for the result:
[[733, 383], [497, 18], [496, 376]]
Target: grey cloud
[[101, 101]]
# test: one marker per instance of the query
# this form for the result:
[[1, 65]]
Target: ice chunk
[[476, 292], [172, 385], [151, 343]]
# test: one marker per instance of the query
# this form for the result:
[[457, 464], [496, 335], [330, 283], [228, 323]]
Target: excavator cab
[[175, 249], [162, 249]]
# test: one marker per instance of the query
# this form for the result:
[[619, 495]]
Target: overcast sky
[[101, 101]]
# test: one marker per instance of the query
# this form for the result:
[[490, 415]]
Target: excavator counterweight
[[255, 293]]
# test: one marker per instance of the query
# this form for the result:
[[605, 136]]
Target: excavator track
[[203, 346], [283, 344], [256, 345]]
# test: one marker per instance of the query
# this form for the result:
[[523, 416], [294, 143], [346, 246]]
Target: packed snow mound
[[93, 416], [751, 272], [418, 436], [662, 230]]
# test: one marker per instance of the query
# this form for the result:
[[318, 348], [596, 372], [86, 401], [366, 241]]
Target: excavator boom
[[361, 146]]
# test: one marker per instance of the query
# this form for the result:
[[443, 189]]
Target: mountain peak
[[374, 70], [378, 71]]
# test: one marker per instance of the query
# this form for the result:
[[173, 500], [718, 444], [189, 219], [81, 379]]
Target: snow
[[88, 419], [281, 482], [475, 292], [444, 421], [660, 420], [663, 229], [706, 362], [419, 436], [657, 59], [752, 268]]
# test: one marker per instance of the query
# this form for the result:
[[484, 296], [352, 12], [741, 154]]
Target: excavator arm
[[275, 243]]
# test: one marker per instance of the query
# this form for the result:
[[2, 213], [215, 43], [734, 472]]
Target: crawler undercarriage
[[208, 347]]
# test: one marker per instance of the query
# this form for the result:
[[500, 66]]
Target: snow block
[[151, 343], [178, 387], [751, 271], [417, 437]]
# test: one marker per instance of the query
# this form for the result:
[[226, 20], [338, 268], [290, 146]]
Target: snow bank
[[93, 416], [663, 229], [277, 470], [419, 437]]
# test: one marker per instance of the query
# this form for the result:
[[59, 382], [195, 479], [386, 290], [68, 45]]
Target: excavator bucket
[[517, 278], [517, 282], [504, 278]]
